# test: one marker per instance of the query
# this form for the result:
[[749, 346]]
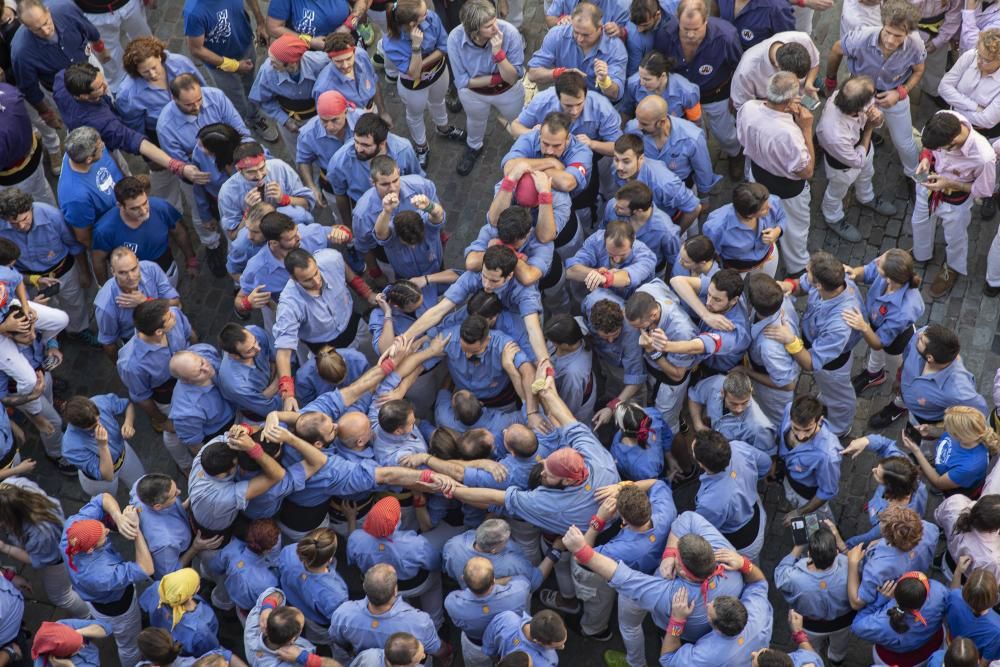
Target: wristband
[[675, 628], [387, 366], [670, 552], [800, 637], [496, 79], [613, 403], [360, 287], [558, 72], [830, 83], [549, 372], [176, 167], [544, 198], [609, 279], [499, 56], [746, 566], [270, 602], [507, 184], [553, 554], [795, 346], [800, 3], [306, 38], [427, 476], [793, 283], [247, 426], [351, 21], [429, 208], [604, 82], [228, 65], [98, 46], [374, 272], [584, 554], [346, 230], [597, 523], [285, 200], [928, 155], [286, 386], [903, 92], [8, 573], [245, 304], [48, 114], [256, 452]]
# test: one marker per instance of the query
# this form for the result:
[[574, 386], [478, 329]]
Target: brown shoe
[[943, 282], [55, 162], [736, 165]]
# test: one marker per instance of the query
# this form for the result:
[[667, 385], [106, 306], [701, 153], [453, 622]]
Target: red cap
[[525, 193], [288, 48], [82, 536], [57, 640], [568, 464], [383, 517]]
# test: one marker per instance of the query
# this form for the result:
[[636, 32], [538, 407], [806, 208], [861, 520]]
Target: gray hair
[[782, 87], [475, 14], [14, 202], [737, 383], [492, 534], [81, 144]]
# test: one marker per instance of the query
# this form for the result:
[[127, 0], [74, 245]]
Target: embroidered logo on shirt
[[517, 642], [883, 309], [239, 566], [746, 34], [652, 538], [374, 624], [822, 585], [486, 609], [740, 641], [381, 547], [922, 401], [733, 474], [705, 70]]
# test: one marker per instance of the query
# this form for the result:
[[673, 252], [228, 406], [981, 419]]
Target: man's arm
[[313, 458], [180, 236], [99, 258], [477, 497]]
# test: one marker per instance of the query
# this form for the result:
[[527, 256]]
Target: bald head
[[191, 367], [478, 575], [855, 94], [652, 108], [520, 440], [354, 429]]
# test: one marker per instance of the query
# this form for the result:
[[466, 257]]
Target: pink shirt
[[967, 90], [771, 139], [975, 20], [952, 19], [839, 134], [973, 163], [755, 68], [856, 15], [983, 548]]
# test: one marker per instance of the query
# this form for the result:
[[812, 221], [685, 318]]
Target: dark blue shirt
[[149, 241], [310, 17], [758, 20], [224, 24], [101, 115], [714, 61], [15, 126]]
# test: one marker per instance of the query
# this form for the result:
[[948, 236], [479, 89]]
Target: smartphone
[[799, 535], [809, 102], [812, 524], [50, 363], [921, 177], [49, 291]]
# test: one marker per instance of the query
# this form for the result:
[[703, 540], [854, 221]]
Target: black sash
[[119, 606], [785, 188], [831, 625], [302, 518], [297, 109], [807, 492], [165, 392], [551, 279], [413, 582], [568, 231], [743, 537]]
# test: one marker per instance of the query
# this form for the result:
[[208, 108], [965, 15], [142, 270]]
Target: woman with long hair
[[31, 524], [962, 455], [906, 624]]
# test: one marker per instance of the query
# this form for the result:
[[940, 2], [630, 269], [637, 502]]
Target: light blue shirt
[[642, 550], [256, 650], [143, 367], [139, 103], [114, 323], [41, 539], [314, 145], [471, 613], [890, 314], [735, 241], [814, 463], [198, 630], [247, 574], [864, 56], [314, 319], [309, 384], [263, 268], [11, 611], [44, 245], [599, 119], [89, 655], [167, 531], [355, 628], [485, 376], [233, 191], [360, 90], [538, 255], [178, 131], [271, 86], [624, 352], [505, 634], [317, 595], [928, 395], [199, 412], [513, 295], [823, 324], [750, 426], [398, 49], [351, 176], [680, 94], [669, 193], [79, 446], [559, 49], [612, 11], [577, 158], [509, 562], [883, 562], [215, 501], [872, 623], [636, 462], [769, 356], [817, 595], [242, 385], [685, 152], [729, 497], [408, 552], [640, 265], [469, 60], [659, 233]]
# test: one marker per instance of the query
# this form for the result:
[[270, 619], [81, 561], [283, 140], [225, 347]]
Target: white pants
[[472, 655], [721, 124], [293, 535], [630, 619], [596, 596], [900, 126], [879, 360], [55, 581], [768, 267], [477, 110], [837, 394], [839, 180], [72, 300], [772, 401], [49, 323], [51, 442], [878, 661], [955, 221], [797, 501], [36, 185], [752, 551], [130, 19], [50, 138], [177, 450], [835, 642], [794, 242], [418, 101], [669, 400], [130, 472], [993, 262], [427, 597], [126, 629]]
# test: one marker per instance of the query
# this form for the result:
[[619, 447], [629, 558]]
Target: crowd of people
[[379, 448]]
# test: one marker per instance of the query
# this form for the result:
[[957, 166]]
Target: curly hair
[[901, 527], [141, 49]]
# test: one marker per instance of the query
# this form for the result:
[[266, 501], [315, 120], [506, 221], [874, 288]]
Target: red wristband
[[286, 386], [249, 427], [496, 79], [387, 365], [360, 287], [558, 72], [256, 452], [351, 21], [427, 476], [175, 167], [499, 56], [245, 304], [927, 154], [597, 523], [675, 628], [544, 198], [800, 637], [507, 184], [609, 279], [613, 403], [419, 502], [794, 284], [270, 602], [314, 661], [550, 372], [584, 554], [285, 200], [830, 83], [374, 272], [99, 46], [669, 552], [8, 573], [346, 230], [903, 92], [746, 566]]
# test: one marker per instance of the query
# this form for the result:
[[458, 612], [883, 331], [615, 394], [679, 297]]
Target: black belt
[[119, 606], [717, 94], [899, 343], [663, 378], [502, 87], [785, 188], [743, 537], [828, 625], [954, 198], [117, 466], [165, 392], [413, 582], [225, 428], [807, 492], [60, 269], [296, 108], [588, 196], [989, 132], [8, 458], [506, 396], [345, 338], [302, 518], [835, 163], [555, 274], [362, 505], [834, 364], [88, 8], [165, 260], [33, 157], [568, 231], [931, 24], [745, 265]]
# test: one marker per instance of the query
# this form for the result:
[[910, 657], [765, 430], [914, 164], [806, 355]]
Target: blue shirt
[[509, 562], [351, 176], [966, 467], [674, 322], [167, 531], [360, 90], [751, 426], [243, 385], [882, 562], [199, 412], [317, 595], [263, 268], [247, 573], [101, 115], [242, 249], [928, 395], [643, 550], [149, 241], [669, 192], [36, 60], [83, 198], [538, 255], [680, 94], [890, 314], [46, 244], [724, 349], [817, 595], [310, 17], [233, 191], [769, 356], [114, 323], [399, 49], [12, 608], [734, 241], [471, 613], [268, 504], [729, 497], [408, 552], [16, 135], [271, 86], [640, 265], [685, 152], [863, 55], [355, 628], [983, 630], [505, 635], [513, 295], [89, 655], [224, 24], [577, 158], [484, 376], [139, 103], [469, 60], [823, 325], [599, 120], [143, 366], [314, 319], [215, 501], [612, 11], [340, 477], [314, 145], [492, 419], [80, 446], [714, 61], [407, 261], [636, 462], [198, 630], [309, 384], [872, 623], [102, 576], [624, 352], [559, 49], [813, 463], [178, 131], [758, 20]]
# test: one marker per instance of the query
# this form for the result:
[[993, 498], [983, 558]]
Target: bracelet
[[351, 21], [98, 46], [374, 272], [228, 65], [558, 72], [550, 372], [285, 200], [346, 230], [597, 523], [256, 452], [747, 566], [669, 552], [613, 403], [360, 287], [507, 184], [553, 554], [903, 92], [604, 82], [286, 386], [387, 365], [306, 38], [429, 208], [427, 476], [544, 198], [830, 83], [8, 573], [496, 79], [795, 346], [675, 628], [176, 167], [246, 425], [928, 155], [800, 637], [245, 304], [270, 602], [584, 554], [800, 3], [609, 279], [499, 56]]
